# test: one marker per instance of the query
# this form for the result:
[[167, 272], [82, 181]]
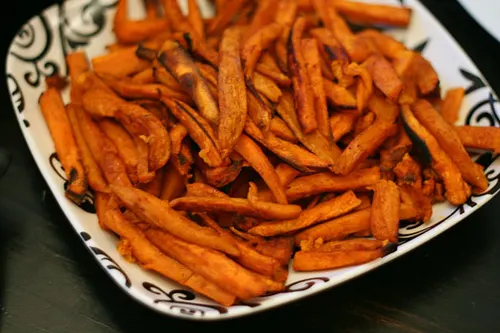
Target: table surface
[[50, 283]]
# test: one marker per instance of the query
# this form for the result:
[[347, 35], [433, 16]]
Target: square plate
[[38, 50]]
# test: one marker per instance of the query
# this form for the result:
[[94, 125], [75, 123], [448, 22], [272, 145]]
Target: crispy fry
[[385, 44], [451, 104], [225, 15], [264, 15], [174, 184], [154, 187], [222, 175], [212, 265], [93, 173], [232, 92], [252, 153], [158, 213], [337, 229], [347, 245], [77, 65], [316, 261], [263, 210], [338, 96], [180, 64], [383, 108], [456, 188], [266, 87], [56, 118], [311, 54], [124, 144], [315, 141], [300, 79], [327, 210], [144, 175], [256, 44], [195, 19], [373, 14], [132, 32], [479, 137], [450, 142], [258, 110], [415, 198], [363, 145], [274, 74], [286, 175], [281, 130], [384, 220], [342, 123], [408, 172], [119, 64], [293, 154], [425, 75], [306, 186], [144, 77], [103, 150], [384, 76], [199, 130]]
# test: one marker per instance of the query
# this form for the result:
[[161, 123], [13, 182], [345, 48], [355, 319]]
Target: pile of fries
[[219, 149]]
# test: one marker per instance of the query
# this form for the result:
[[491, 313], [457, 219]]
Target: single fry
[[258, 110], [307, 186], [144, 174], [56, 118], [300, 79], [266, 87], [232, 92], [224, 16], [384, 220], [262, 210], [93, 173], [479, 137], [337, 229], [180, 64], [174, 184], [383, 108], [254, 155], [356, 244], [363, 145], [456, 188], [155, 186], [338, 96], [281, 130], [256, 44], [222, 175], [78, 64], [384, 76], [408, 172], [373, 14], [327, 210], [311, 54], [158, 213], [451, 104], [316, 261], [342, 123], [119, 64], [450, 142], [195, 19]]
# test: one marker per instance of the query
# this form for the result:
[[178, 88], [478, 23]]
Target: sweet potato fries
[[220, 149]]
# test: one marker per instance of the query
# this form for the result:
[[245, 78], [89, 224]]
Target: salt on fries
[[219, 149]]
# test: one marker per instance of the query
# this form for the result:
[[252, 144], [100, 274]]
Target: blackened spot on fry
[[188, 81], [422, 152], [145, 53], [389, 248], [189, 41]]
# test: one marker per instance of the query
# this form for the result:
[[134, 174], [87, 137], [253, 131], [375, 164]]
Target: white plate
[[38, 50], [486, 13]]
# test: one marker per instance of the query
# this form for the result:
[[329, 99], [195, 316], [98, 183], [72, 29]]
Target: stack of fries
[[219, 149]]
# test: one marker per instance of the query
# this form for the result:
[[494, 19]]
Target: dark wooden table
[[50, 283]]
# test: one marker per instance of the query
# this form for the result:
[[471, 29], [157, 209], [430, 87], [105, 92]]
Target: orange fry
[[144, 175], [281, 130], [119, 64], [258, 110], [195, 19], [266, 87], [456, 188], [356, 244], [451, 104], [327, 210], [174, 184], [94, 175], [479, 137], [338, 96], [384, 220], [300, 79], [338, 228], [373, 14], [263, 210], [310, 185], [56, 118], [311, 54], [342, 123], [316, 261], [450, 142], [363, 145], [254, 155], [408, 172], [158, 213], [225, 15], [232, 91], [384, 76], [180, 64], [77, 64], [222, 175], [257, 43]]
